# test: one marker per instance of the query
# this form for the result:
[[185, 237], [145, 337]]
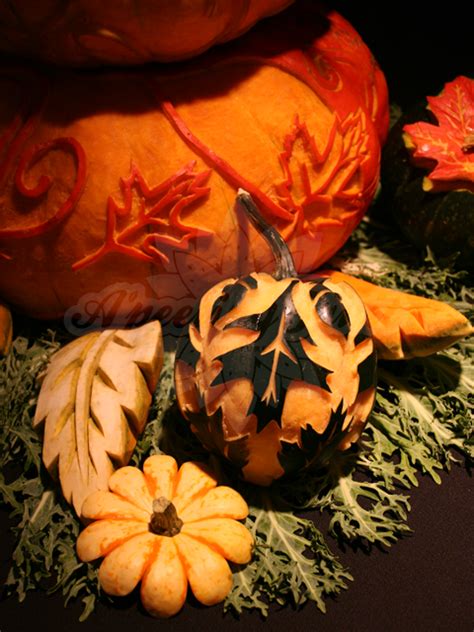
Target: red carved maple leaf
[[451, 142], [157, 220]]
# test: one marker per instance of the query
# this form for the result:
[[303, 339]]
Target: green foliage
[[44, 526], [421, 424], [292, 563]]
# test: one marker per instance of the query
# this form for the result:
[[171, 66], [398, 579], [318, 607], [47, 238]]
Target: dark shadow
[[125, 89], [178, 440], [33, 329], [417, 48]]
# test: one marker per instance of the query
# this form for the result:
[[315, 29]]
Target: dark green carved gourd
[[274, 372]]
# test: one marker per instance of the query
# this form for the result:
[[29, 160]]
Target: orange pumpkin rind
[[81, 33], [6, 329], [124, 206]]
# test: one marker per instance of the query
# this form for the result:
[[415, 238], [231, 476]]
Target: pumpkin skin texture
[[131, 532], [84, 32], [117, 189], [275, 373], [6, 330]]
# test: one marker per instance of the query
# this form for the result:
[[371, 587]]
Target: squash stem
[[164, 519], [284, 264]]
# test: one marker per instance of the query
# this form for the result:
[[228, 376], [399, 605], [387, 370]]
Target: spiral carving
[[14, 157]]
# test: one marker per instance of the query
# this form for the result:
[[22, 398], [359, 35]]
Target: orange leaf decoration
[[451, 142], [316, 177], [157, 220]]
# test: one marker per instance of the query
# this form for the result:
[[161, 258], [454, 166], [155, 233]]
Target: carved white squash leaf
[[94, 403]]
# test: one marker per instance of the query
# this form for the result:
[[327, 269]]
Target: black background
[[419, 45], [423, 582]]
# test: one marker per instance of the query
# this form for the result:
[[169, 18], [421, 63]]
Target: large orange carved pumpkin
[[117, 189], [85, 32]]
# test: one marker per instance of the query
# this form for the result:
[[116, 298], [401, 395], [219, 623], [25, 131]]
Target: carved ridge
[[178, 191], [14, 138]]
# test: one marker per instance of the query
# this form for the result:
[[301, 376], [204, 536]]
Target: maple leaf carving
[[319, 172], [157, 221], [275, 357], [450, 143]]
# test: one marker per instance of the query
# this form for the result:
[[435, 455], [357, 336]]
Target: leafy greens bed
[[421, 423]]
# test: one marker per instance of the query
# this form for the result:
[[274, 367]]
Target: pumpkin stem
[[164, 519], [284, 264]]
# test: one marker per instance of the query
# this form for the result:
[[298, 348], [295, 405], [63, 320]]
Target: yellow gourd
[[166, 528]]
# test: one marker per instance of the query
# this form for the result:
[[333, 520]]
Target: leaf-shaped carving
[[94, 402], [149, 220], [319, 172], [267, 349], [405, 325], [278, 348], [450, 143]]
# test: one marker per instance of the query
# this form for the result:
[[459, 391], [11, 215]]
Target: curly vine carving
[[14, 156]]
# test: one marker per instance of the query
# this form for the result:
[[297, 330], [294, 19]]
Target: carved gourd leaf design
[[284, 341], [93, 404], [254, 346], [319, 176]]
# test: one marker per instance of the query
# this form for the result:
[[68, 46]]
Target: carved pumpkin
[[274, 372], [117, 189], [84, 32], [166, 528]]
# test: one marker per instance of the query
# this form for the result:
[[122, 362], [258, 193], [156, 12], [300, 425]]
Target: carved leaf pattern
[[277, 348], [94, 402], [276, 345], [318, 173], [157, 221]]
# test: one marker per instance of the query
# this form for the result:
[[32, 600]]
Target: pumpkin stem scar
[[164, 519], [284, 264]]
